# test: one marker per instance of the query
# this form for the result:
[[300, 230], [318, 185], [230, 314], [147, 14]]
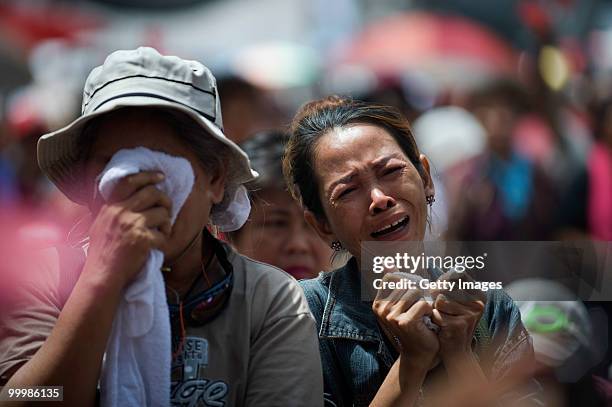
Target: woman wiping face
[[242, 316]]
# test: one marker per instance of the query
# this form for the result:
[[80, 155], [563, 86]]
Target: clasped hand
[[401, 314]]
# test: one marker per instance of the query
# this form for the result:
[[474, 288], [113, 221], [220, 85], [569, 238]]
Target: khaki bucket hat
[[140, 77]]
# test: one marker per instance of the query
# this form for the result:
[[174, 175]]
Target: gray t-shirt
[[261, 350]]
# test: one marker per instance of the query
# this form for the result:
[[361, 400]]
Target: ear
[[427, 180], [217, 185], [320, 226]]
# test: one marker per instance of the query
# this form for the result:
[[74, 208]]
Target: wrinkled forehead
[[354, 147]]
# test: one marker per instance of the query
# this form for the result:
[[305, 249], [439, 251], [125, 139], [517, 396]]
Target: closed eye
[[345, 192], [277, 223], [392, 170]]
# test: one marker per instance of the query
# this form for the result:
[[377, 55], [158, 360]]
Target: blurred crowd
[[520, 139]]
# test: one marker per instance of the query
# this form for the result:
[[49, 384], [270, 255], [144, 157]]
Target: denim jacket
[[356, 357]]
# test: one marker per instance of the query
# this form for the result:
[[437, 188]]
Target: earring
[[430, 199], [336, 246]]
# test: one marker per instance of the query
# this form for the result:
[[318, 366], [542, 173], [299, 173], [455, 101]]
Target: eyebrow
[[382, 161], [343, 180], [377, 164]]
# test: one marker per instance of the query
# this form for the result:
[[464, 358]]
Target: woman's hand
[[400, 314], [457, 313], [135, 220]]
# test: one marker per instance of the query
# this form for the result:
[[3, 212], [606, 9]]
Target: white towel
[[136, 369]]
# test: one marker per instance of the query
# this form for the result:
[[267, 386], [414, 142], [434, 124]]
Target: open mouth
[[388, 229]]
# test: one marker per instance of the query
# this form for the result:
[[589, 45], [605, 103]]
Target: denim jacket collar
[[346, 315]]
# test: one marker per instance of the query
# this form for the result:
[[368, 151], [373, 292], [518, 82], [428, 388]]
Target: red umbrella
[[28, 24], [445, 46]]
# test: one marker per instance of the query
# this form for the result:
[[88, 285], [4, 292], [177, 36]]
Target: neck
[[188, 266]]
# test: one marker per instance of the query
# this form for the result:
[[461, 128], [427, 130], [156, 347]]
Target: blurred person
[[564, 341], [503, 196], [276, 232], [32, 111], [448, 136], [392, 91], [41, 214], [241, 333], [8, 182], [248, 108], [357, 171], [32, 186], [586, 208]]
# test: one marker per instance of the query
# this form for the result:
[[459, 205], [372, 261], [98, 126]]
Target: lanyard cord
[[168, 268], [183, 332]]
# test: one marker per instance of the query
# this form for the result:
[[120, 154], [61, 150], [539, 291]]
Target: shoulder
[[261, 274], [316, 291], [319, 290], [267, 287], [501, 314], [45, 276], [33, 304], [318, 287], [47, 273], [510, 340]]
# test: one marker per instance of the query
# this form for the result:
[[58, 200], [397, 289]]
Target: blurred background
[[511, 100]]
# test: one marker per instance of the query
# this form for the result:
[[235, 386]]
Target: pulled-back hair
[[317, 118]]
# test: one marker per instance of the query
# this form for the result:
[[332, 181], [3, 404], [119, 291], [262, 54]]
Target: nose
[[297, 242], [380, 201]]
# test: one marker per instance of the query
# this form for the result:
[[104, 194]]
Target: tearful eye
[[346, 191], [392, 170]]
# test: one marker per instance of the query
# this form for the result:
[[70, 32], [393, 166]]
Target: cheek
[[348, 218], [416, 193], [414, 188], [272, 240], [194, 213], [256, 243], [348, 227]]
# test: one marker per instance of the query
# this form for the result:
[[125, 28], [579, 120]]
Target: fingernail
[[160, 176]]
